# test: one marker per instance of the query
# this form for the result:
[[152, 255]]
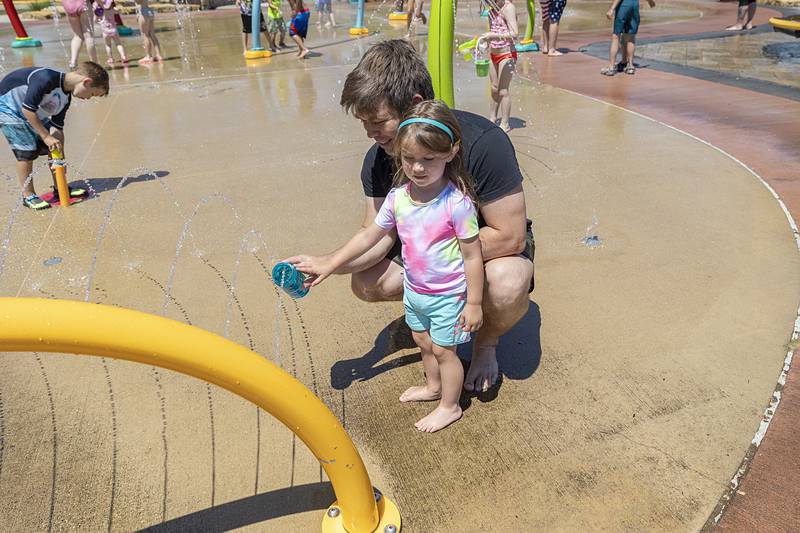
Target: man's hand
[[651, 3], [52, 143], [471, 318]]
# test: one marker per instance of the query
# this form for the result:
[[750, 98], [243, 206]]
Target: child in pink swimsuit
[[436, 221], [105, 11]]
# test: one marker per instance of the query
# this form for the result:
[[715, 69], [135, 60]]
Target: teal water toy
[[526, 44], [288, 278], [22, 40]]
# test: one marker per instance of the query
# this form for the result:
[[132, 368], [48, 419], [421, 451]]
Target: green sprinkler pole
[[527, 44], [440, 49]]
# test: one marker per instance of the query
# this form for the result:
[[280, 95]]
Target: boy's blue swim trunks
[[626, 20], [436, 313], [299, 24], [24, 142]]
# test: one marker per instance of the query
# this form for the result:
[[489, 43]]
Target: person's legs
[[432, 390], [741, 16], [452, 375], [120, 49], [494, 79], [506, 73], [382, 282], [146, 44], [77, 40], [87, 27], [244, 43], [24, 169], [630, 47], [553, 40], [545, 36], [505, 302], [751, 12], [612, 56], [151, 30], [109, 50]]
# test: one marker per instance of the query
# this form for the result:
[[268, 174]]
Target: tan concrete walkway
[[630, 390]]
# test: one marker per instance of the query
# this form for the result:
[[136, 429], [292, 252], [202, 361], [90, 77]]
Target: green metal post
[[440, 49]]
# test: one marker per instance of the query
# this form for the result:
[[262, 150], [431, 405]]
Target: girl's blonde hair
[[436, 140]]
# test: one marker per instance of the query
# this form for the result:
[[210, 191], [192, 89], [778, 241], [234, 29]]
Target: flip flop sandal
[[630, 71], [34, 202], [608, 71]]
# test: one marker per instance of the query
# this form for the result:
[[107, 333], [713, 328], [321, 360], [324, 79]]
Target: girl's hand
[[471, 318], [316, 269]]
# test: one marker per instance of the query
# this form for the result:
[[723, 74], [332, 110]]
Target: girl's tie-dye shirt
[[429, 233]]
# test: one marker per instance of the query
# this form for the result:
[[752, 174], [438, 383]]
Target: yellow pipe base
[[358, 31], [257, 54], [526, 41], [388, 514], [398, 15]]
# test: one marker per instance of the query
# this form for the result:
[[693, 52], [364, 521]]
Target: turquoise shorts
[[437, 314]]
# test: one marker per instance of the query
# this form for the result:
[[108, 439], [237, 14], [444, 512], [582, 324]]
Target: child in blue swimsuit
[[298, 27]]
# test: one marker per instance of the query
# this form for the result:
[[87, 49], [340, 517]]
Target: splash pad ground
[[630, 390]]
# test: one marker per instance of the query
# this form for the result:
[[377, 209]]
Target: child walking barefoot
[[105, 10], [502, 32], [298, 27], [147, 25], [436, 221]]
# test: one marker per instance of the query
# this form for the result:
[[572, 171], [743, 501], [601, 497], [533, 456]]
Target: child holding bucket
[[105, 10], [502, 32], [431, 206]]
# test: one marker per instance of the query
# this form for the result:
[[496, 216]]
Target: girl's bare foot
[[748, 26], [420, 393], [439, 418], [146, 60], [553, 53], [158, 59]]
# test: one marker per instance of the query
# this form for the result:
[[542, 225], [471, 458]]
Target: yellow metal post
[[35, 324], [60, 169]]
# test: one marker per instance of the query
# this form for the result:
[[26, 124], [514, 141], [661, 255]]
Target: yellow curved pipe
[[34, 324]]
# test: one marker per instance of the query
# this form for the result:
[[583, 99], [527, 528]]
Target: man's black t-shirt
[[488, 154]]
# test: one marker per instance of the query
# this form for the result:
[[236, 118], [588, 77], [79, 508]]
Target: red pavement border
[[762, 132]]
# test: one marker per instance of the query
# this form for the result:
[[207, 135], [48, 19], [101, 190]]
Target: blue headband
[[430, 121]]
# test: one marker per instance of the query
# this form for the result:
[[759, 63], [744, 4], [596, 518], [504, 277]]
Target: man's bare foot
[[439, 418], [735, 27], [748, 26], [145, 60], [420, 393], [554, 53], [304, 53], [482, 373]]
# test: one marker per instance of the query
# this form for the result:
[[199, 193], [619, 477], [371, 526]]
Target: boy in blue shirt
[[625, 14], [33, 104]]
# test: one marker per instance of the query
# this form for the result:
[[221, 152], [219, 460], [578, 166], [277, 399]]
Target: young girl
[[502, 32], [147, 25], [436, 223], [80, 21], [105, 10]]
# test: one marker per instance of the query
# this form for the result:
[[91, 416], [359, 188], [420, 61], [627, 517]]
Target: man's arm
[[504, 233]]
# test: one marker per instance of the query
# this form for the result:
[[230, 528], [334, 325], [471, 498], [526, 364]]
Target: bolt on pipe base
[[388, 514]]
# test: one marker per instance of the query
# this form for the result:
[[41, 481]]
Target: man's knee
[[369, 288], [507, 282]]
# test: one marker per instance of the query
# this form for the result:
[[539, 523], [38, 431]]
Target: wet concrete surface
[[763, 56], [630, 389]]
